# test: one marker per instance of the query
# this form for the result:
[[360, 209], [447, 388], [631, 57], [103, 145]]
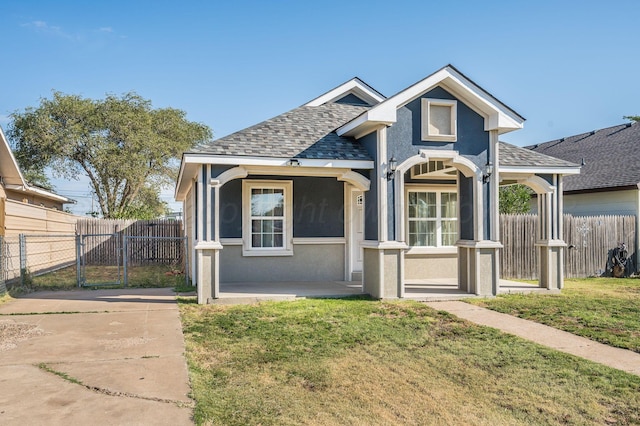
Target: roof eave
[[551, 170]]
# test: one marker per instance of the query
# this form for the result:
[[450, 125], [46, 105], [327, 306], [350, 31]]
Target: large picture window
[[432, 217], [267, 218]]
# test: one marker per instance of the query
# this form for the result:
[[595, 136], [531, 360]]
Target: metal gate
[[100, 260]]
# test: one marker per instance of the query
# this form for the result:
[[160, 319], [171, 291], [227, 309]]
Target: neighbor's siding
[[21, 218]]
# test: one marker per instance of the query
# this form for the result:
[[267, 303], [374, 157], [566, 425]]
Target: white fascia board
[[497, 115], [273, 161], [355, 86], [41, 192], [540, 170]]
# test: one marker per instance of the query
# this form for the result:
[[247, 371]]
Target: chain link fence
[[54, 262]]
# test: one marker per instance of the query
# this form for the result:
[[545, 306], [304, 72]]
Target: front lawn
[[606, 310], [361, 362]]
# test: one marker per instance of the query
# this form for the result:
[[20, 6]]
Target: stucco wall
[[322, 262], [426, 266]]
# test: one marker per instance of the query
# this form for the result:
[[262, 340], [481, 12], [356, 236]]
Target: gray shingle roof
[[515, 156], [304, 132], [611, 157]]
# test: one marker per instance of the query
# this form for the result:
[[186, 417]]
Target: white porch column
[[208, 246], [550, 243], [383, 262]]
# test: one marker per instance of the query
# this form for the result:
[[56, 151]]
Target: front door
[[357, 231]]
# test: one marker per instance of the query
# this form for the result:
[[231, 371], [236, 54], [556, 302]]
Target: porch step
[[356, 276]]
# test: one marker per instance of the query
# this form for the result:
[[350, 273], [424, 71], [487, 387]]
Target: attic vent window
[[439, 120]]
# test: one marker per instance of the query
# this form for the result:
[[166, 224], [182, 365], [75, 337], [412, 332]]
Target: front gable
[[406, 135]]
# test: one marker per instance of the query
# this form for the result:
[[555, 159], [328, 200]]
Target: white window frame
[[438, 248], [426, 119], [287, 226]]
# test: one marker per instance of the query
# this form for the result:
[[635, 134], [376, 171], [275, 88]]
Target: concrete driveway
[[105, 357]]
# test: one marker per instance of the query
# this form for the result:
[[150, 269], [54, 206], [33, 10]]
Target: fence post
[[23, 258], [78, 260], [187, 269], [3, 269], [124, 259]]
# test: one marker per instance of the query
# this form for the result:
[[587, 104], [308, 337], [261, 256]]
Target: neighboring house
[[609, 183], [23, 207], [356, 186]]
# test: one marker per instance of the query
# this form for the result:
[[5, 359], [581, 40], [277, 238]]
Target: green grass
[[139, 276], [606, 310], [361, 362]]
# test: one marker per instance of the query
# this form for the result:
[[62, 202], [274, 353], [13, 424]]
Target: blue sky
[[567, 66]]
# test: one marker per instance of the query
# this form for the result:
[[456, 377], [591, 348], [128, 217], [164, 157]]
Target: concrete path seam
[[109, 392]]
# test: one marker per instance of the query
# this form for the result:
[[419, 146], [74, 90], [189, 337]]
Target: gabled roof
[[12, 176], [497, 115], [304, 132], [514, 157], [354, 86], [611, 157]]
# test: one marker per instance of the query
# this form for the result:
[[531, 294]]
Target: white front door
[[357, 230]]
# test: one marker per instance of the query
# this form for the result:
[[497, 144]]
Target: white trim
[[209, 209], [496, 114], [319, 240], [200, 201], [197, 158], [345, 175], [384, 245], [494, 185], [425, 115], [550, 243], [540, 170], [208, 245], [382, 155], [432, 250], [355, 86], [438, 190], [479, 244], [347, 195], [287, 237]]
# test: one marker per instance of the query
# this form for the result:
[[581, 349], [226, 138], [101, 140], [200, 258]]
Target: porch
[[422, 290]]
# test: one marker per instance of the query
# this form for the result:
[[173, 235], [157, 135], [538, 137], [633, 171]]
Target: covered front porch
[[421, 290]]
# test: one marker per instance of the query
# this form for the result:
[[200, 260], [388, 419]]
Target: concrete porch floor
[[424, 290]]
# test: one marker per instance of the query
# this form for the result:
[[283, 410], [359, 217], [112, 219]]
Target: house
[[353, 185], [19, 201], [609, 183]]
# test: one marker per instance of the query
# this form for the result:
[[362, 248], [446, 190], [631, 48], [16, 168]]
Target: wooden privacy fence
[[589, 240], [103, 240]]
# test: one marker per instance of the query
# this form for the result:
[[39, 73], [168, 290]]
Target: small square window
[[439, 120]]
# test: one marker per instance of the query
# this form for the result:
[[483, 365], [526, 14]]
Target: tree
[[632, 117], [128, 150], [514, 199]]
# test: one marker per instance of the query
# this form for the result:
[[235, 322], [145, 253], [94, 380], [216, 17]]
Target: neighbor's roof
[[611, 157], [515, 156], [304, 132]]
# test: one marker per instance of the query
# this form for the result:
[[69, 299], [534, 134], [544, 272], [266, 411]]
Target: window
[[267, 218], [432, 218], [439, 120]]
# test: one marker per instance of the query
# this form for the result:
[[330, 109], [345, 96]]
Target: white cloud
[[105, 30], [43, 28]]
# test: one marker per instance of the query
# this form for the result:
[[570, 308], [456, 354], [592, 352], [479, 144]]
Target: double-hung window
[[432, 217], [267, 218]]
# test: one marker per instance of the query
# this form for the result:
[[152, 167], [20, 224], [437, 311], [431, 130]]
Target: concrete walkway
[[621, 359], [93, 357]]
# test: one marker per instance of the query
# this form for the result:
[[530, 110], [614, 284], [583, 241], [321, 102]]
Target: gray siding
[[318, 207], [404, 140]]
